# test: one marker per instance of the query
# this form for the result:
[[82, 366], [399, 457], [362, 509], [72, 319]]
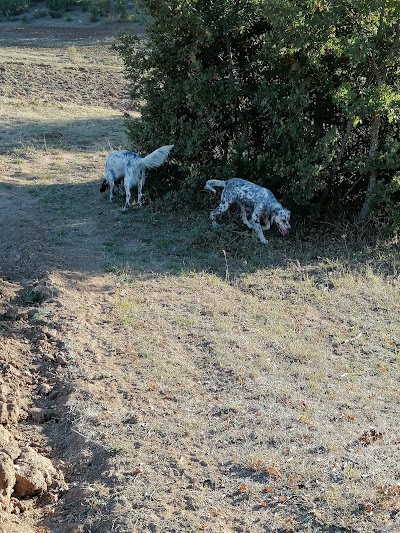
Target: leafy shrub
[[104, 7], [119, 7], [85, 5], [55, 14], [13, 7], [94, 14], [386, 204], [241, 88], [59, 5], [39, 13]]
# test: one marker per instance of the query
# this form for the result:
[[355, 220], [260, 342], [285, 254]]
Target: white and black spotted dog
[[251, 198], [131, 168]]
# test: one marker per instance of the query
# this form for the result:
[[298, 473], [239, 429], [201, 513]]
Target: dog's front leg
[[244, 217], [267, 223], [127, 199], [257, 228]]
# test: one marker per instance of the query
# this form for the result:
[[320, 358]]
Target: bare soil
[[159, 376], [69, 84], [77, 65]]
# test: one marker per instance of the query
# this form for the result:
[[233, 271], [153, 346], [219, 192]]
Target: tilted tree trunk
[[373, 147], [380, 78]]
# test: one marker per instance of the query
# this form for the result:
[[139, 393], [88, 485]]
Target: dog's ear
[[272, 217]]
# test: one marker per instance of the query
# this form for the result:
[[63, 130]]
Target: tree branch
[[375, 70], [373, 148], [396, 40], [381, 16], [393, 49]]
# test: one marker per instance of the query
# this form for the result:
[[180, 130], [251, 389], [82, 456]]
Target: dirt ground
[[147, 382], [36, 355]]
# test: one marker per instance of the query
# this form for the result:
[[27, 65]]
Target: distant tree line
[[300, 96], [56, 8]]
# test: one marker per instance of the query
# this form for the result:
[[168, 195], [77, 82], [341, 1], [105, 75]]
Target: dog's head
[[281, 218]]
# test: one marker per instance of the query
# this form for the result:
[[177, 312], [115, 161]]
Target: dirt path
[[55, 297]]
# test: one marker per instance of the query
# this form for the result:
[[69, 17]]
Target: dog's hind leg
[[223, 206], [111, 191], [140, 187], [109, 178]]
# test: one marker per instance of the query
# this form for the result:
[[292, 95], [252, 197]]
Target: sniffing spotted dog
[[131, 167], [251, 198]]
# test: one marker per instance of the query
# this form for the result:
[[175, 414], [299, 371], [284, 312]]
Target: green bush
[[59, 5], [55, 14], [85, 5], [302, 97], [104, 7], [119, 6], [10, 8], [94, 14], [39, 13]]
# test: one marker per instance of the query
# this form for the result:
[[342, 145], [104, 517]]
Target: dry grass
[[269, 403], [27, 125], [277, 383]]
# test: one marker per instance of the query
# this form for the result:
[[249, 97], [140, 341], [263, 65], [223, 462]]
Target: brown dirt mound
[[25, 473]]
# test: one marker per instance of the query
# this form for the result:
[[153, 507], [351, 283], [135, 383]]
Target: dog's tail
[[156, 158], [209, 186], [104, 186]]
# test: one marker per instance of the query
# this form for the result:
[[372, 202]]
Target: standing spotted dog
[[131, 167], [258, 201]]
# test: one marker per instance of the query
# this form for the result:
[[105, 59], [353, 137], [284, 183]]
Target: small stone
[[35, 474]]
